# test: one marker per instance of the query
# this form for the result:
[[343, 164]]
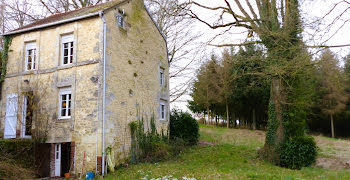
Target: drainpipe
[[103, 91]]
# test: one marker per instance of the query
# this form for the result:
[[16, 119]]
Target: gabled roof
[[69, 16], [75, 15]]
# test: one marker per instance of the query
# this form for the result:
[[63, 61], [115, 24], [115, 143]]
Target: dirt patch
[[331, 163], [205, 143], [333, 153]]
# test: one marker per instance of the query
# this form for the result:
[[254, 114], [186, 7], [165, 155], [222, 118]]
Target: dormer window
[[67, 46], [30, 56]]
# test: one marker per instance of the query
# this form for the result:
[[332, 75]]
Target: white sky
[[310, 10]]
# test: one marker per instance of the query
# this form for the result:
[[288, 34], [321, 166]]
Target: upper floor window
[[67, 46], [65, 106], [161, 77], [30, 56]]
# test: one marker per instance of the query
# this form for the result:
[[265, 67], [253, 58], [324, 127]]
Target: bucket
[[90, 175], [67, 175]]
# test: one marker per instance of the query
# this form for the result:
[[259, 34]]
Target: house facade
[[76, 80]]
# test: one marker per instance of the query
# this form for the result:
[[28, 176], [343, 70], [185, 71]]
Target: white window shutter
[[11, 116]]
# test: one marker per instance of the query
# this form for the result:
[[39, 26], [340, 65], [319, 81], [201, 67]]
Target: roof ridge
[[69, 14], [81, 8]]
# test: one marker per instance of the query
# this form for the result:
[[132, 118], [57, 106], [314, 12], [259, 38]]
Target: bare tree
[[17, 13], [58, 6], [182, 42]]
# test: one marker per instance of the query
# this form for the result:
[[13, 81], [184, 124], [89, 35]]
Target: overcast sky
[[314, 33]]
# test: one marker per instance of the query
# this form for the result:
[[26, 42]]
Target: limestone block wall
[[83, 77], [135, 55]]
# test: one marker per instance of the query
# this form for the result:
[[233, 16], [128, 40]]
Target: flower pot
[[67, 175]]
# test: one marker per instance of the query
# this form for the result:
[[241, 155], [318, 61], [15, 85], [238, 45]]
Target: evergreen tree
[[334, 97]]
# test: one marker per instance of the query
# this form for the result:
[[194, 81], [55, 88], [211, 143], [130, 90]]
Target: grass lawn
[[233, 155]]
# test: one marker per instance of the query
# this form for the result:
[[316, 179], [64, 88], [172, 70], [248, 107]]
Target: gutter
[[52, 24], [104, 90]]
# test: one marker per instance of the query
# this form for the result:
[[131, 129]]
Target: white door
[[57, 159], [11, 116]]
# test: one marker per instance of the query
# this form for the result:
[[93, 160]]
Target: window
[[162, 110], [120, 20], [67, 47], [65, 106], [30, 56], [161, 77]]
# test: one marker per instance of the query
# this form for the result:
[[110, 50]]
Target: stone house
[[76, 80]]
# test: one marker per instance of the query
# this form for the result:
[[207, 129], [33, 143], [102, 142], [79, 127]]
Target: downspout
[[103, 91]]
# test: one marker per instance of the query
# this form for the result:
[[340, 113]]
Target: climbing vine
[[272, 125], [4, 57]]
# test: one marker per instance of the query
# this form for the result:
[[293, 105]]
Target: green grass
[[234, 156]]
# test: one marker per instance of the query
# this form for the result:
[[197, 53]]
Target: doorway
[[62, 158], [57, 160]]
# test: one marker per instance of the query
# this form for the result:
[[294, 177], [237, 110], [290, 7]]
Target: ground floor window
[[162, 110], [65, 106]]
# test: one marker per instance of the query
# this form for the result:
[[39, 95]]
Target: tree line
[[232, 90]]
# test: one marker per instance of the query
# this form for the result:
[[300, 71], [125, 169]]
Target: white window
[[162, 110], [65, 106], [30, 56], [161, 76], [67, 51]]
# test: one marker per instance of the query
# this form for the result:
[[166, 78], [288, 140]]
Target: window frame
[[24, 117], [161, 76], [162, 103], [30, 46], [68, 38], [65, 91]]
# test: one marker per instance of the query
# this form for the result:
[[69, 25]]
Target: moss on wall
[[137, 12]]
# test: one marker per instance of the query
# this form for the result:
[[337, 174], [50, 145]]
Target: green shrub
[[17, 159], [177, 146], [159, 151], [19, 150], [184, 126], [298, 152]]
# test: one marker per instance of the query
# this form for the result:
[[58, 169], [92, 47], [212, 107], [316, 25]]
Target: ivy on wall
[[4, 58]]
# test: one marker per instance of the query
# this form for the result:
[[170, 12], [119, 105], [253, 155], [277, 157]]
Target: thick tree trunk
[[254, 120], [275, 129], [332, 126], [227, 116]]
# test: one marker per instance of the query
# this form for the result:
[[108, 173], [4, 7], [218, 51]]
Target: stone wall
[[135, 55], [83, 77]]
